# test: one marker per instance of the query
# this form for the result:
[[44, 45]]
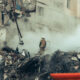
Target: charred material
[[19, 67], [8, 49], [65, 62], [31, 66]]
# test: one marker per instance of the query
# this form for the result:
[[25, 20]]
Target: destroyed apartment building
[[39, 37]]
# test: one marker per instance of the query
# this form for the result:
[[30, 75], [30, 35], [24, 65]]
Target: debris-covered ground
[[15, 66]]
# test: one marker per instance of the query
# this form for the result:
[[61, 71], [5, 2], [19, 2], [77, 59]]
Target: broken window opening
[[68, 4], [41, 11]]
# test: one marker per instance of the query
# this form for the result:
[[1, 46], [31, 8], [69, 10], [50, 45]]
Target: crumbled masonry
[[14, 66]]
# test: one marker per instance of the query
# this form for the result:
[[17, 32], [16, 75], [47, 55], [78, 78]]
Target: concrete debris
[[15, 66], [78, 56], [74, 58], [65, 63]]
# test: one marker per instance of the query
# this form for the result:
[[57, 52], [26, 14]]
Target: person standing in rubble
[[42, 45]]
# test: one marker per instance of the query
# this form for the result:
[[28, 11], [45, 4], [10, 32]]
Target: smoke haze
[[60, 30]]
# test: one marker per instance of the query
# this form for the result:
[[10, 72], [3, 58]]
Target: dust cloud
[[60, 30]]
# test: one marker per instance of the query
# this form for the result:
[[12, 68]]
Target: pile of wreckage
[[15, 66], [65, 62]]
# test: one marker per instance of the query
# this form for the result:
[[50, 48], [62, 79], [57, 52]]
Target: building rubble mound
[[14, 66]]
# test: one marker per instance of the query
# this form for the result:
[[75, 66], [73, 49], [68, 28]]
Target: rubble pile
[[61, 62], [15, 66], [65, 62], [10, 62]]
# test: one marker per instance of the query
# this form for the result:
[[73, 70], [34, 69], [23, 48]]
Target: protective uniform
[[42, 45]]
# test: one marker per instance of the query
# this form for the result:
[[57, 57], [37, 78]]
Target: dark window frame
[[40, 10], [68, 4]]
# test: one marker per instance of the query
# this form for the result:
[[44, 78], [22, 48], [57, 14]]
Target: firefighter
[[42, 45]]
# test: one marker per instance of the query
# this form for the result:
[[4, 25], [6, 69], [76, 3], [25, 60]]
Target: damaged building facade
[[33, 16], [42, 11], [73, 7]]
